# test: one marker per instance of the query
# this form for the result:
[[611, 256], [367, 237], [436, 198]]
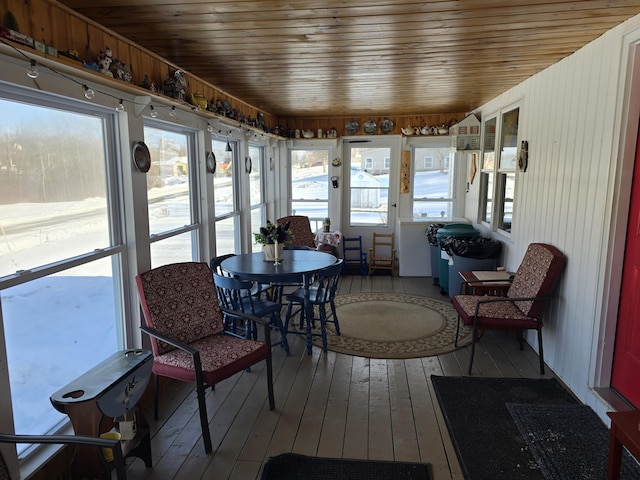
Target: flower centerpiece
[[273, 237]]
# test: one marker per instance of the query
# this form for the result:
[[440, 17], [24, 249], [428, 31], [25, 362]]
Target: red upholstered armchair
[[301, 230], [188, 336], [522, 308]]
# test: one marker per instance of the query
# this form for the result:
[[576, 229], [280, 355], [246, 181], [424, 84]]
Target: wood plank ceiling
[[315, 58]]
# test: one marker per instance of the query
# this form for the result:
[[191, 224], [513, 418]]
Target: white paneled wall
[[572, 116]]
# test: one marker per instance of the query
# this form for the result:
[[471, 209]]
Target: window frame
[[261, 205], [116, 250], [196, 225], [495, 178], [428, 161], [234, 215]]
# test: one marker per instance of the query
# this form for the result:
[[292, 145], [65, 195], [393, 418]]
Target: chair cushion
[[493, 315], [536, 276], [180, 301], [221, 356]]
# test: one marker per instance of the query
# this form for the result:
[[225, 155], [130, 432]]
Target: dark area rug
[[290, 466], [568, 441], [487, 441]]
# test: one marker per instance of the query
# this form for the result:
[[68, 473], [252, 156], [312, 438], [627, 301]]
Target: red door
[[626, 358]]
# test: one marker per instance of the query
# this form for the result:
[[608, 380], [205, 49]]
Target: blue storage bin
[[451, 230]]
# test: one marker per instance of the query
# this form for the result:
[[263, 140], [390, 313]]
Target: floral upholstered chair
[[188, 335], [522, 307], [301, 230]]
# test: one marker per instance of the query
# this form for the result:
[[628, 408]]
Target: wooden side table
[[486, 283], [625, 432], [96, 399]]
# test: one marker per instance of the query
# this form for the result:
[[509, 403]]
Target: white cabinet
[[413, 247]]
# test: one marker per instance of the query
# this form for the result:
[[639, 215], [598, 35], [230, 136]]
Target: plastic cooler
[[451, 230]]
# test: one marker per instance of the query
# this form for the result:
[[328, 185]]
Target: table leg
[[615, 455]]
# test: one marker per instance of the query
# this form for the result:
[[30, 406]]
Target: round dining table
[[300, 263], [295, 266]]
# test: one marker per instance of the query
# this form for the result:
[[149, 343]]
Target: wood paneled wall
[[54, 24], [399, 121]]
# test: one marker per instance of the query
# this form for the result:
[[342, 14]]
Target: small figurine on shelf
[[105, 59], [121, 71], [145, 82], [175, 86]]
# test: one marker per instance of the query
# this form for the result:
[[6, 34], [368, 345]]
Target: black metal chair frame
[[197, 365], [114, 445]]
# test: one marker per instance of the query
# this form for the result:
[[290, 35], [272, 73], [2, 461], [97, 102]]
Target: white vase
[[270, 252]]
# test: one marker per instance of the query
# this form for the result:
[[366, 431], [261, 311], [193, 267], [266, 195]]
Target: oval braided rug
[[394, 325]]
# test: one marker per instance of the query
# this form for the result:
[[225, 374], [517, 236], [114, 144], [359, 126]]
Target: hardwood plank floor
[[329, 405]]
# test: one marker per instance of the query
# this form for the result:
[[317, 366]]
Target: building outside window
[[368, 163], [427, 163], [61, 250]]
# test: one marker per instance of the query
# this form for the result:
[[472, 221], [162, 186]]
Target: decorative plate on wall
[[211, 162], [141, 157], [369, 127], [351, 127], [386, 126]]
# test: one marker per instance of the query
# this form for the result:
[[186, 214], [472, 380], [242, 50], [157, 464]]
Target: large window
[[171, 185], [506, 183], [256, 187], [61, 249], [227, 210], [310, 184], [497, 177], [433, 181], [487, 170]]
